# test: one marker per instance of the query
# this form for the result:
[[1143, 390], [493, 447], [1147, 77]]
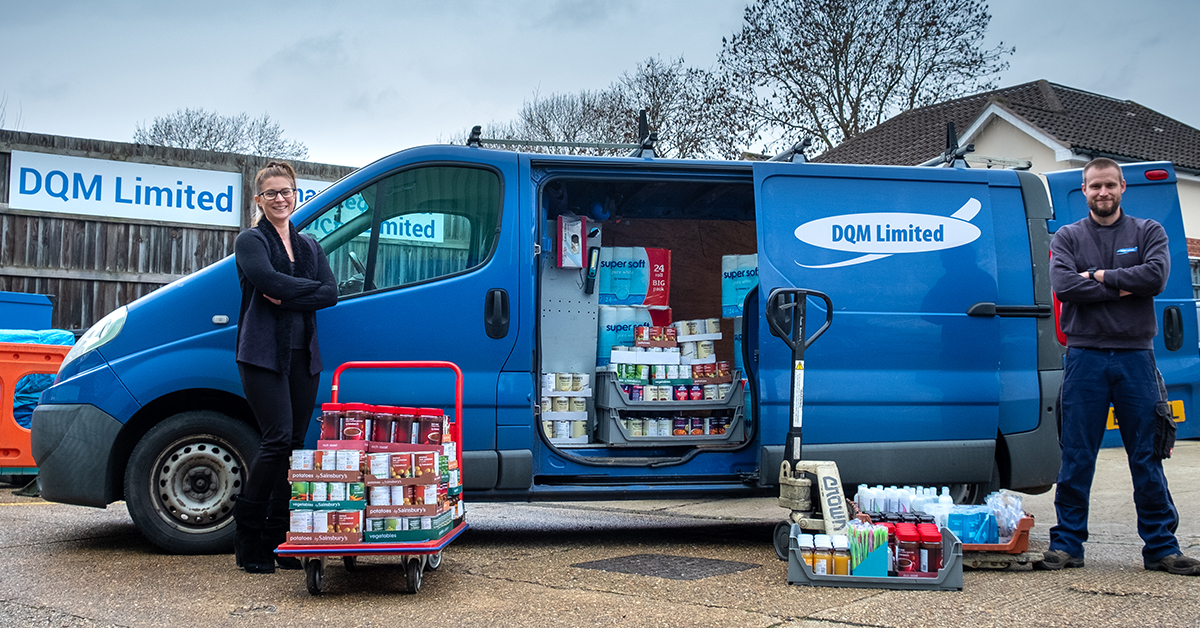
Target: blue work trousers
[[1127, 380]]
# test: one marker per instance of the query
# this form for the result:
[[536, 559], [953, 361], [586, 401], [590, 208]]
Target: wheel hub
[[196, 482]]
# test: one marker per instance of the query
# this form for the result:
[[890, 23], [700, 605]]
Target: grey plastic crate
[[612, 403], [949, 577]]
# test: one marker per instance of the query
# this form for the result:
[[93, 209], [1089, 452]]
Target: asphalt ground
[[712, 564]]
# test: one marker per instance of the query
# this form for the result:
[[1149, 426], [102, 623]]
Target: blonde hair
[[272, 169]]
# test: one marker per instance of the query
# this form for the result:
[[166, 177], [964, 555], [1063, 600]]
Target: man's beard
[[1104, 213]]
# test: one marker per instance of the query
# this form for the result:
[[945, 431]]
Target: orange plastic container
[[17, 361], [1017, 545]]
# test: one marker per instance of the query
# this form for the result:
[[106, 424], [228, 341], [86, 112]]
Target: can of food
[[346, 521], [319, 491], [395, 495], [392, 524], [547, 382], [430, 430], [649, 428], [548, 428], [428, 494], [578, 404], [578, 428], [379, 465], [626, 388], [681, 393], [301, 521], [688, 328], [547, 404], [717, 425], [687, 349], [649, 393], [643, 371], [666, 393], [426, 464], [562, 382], [562, 429], [413, 523], [426, 523], [349, 459], [697, 426], [710, 391], [374, 524], [724, 368], [337, 491], [410, 495], [301, 492], [664, 426], [704, 349], [712, 325], [302, 459], [320, 522], [400, 466], [356, 491], [723, 390], [636, 393], [380, 496], [641, 333], [637, 427], [561, 404], [682, 425], [658, 371], [673, 371]]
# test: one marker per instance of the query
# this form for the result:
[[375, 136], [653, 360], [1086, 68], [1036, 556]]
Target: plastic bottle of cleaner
[[823, 554], [841, 555]]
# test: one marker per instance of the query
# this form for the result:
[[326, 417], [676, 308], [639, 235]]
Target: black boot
[[275, 532], [250, 518]]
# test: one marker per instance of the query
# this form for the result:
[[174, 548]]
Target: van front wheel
[[182, 479]]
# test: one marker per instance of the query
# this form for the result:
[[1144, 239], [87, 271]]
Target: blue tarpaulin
[[29, 388]]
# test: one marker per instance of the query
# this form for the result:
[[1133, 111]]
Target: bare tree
[[208, 130], [835, 68], [689, 108], [4, 114]]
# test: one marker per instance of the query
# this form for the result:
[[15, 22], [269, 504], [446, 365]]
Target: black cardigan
[[257, 344]]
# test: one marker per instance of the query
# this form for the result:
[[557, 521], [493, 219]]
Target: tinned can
[[320, 491], [380, 496], [302, 459], [301, 521]]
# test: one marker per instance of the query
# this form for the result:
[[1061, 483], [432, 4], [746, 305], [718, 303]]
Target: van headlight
[[98, 335]]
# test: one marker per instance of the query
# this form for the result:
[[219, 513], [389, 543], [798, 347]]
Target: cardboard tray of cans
[[948, 578]]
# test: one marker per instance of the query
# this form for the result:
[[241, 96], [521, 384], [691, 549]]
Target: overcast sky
[[358, 80]]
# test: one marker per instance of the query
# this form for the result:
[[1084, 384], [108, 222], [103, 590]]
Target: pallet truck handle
[[781, 320], [413, 364]]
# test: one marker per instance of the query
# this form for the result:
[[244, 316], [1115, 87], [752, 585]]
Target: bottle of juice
[[806, 548], [841, 555], [822, 555]]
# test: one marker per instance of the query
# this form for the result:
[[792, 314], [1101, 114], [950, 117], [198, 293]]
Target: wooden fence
[[92, 265]]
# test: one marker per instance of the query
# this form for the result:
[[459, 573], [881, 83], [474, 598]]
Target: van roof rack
[[953, 156], [645, 144], [795, 154]]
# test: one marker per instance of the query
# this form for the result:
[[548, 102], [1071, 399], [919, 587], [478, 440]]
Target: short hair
[[274, 169], [1102, 163]]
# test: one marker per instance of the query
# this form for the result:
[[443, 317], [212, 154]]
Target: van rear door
[[905, 385], [1151, 193]]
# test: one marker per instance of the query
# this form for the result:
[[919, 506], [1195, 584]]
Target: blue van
[[941, 366]]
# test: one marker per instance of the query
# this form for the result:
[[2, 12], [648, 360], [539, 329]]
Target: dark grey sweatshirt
[[1133, 254]]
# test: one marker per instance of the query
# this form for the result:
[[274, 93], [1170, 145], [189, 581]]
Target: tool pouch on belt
[[1164, 423]]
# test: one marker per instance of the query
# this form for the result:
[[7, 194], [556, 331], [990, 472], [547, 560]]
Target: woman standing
[[285, 278]]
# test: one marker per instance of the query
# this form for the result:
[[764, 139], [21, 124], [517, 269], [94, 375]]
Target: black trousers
[[283, 407]]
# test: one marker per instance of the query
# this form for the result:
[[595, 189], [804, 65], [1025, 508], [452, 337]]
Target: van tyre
[[182, 479]]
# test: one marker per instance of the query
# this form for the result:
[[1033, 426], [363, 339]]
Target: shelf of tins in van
[[610, 395], [613, 431]]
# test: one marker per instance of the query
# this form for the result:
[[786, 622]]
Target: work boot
[[1054, 560], [1177, 564], [275, 532], [250, 518]]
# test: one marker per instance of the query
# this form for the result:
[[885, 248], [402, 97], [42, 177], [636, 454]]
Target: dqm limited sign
[[102, 188]]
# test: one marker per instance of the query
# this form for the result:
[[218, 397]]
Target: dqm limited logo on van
[[882, 234]]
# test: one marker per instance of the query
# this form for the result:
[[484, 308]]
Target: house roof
[[1089, 124]]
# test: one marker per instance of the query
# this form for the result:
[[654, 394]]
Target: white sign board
[[103, 188]]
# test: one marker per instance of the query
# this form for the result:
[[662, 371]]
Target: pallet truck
[[829, 513]]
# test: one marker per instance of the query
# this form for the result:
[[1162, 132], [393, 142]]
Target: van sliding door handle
[[495, 313], [987, 309]]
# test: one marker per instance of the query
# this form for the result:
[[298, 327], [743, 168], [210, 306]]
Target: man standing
[[1106, 270]]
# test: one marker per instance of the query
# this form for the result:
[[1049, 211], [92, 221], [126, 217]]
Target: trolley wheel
[[314, 576], [783, 532], [413, 575], [351, 563], [435, 560]]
